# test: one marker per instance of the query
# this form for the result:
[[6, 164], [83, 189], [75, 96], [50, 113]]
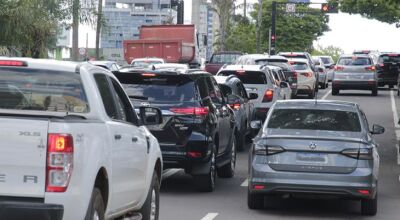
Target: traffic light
[[331, 7]]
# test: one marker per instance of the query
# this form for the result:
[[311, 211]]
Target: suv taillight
[[370, 68], [200, 111], [268, 95], [60, 151], [338, 68]]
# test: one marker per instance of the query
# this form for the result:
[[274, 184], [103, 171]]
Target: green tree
[[241, 36], [224, 10], [332, 51]]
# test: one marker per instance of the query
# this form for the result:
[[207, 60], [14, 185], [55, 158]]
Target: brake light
[[12, 63], [194, 154], [200, 111], [60, 151], [148, 74], [258, 187], [268, 95], [241, 72], [370, 68], [339, 68], [381, 65], [307, 74], [295, 75], [235, 106], [363, 191], [360, 154]]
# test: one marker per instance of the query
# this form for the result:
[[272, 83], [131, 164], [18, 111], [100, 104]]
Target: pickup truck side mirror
[[233, 99], [253, 96], [150, 115], [377, 129], [256, 125], [283, 85]]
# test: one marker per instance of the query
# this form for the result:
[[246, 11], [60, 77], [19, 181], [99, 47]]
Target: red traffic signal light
[[325, 7], [329, 7], [273, 37]]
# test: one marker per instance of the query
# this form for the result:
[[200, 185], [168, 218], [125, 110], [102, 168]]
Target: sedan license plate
[[312, 157]]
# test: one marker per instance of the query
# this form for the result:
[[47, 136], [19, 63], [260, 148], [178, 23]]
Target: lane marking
[[245, 183], [394, 110], [210, 216], [326, 95], [169, 173]]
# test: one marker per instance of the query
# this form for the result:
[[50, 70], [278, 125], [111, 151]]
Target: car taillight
[[60, 151], [268, 95], [200, 111], [295, 75], [339, 68], [370, 68], [235, 106], [307, 74], [381, 65], [261, 149], [12, 63], [361, 154]]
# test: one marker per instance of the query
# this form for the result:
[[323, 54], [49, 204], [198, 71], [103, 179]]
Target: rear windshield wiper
[[138, 97]]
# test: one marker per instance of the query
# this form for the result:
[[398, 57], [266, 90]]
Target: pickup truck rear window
[[312, 119], [247, 77], [160, 88], [42, 90]]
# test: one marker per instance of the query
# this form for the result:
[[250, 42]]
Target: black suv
[[234, 89], [388, 69], [197, 133]]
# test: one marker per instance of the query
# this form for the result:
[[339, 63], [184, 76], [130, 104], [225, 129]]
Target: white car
[[73, 147], [306, 78]]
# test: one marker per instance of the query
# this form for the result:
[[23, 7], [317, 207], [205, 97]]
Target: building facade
[[124, 18]]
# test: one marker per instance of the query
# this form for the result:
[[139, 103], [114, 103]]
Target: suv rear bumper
[[359, 85], [30, 210]]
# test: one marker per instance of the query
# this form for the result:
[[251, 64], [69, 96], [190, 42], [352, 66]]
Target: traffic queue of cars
[[87, 121]]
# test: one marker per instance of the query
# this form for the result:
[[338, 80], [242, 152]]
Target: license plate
[[312, 157]]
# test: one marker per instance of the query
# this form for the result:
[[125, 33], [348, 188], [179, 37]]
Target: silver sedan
[[322, 148]]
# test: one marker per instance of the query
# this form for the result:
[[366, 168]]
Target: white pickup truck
[[72, 146]]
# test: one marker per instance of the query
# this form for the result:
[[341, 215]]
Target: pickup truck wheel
[[206, 182], [151, 206], [96, 206], [228, 170]]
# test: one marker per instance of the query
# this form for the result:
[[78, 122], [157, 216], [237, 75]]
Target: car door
[[129, 149], [241, 92]]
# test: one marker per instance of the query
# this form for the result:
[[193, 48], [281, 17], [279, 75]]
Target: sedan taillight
[[360, 154], [60, 151]]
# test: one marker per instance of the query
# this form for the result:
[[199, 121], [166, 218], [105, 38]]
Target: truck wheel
[[206, 182], [255, 201], [151, 207], [228, 170], [96, 206], [369, 206]]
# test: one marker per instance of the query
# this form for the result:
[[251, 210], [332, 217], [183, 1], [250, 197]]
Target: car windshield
[[354, 61], [144, 64], [247, 77], [312, 119], [299, 66], [391, 58], [42, 90], [326, 60], [224, 58], [160, 88]]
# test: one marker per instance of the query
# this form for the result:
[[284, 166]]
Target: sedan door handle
[[117, 137], [134, 139]]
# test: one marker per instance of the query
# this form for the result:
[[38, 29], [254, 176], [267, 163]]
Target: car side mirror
[[283, 85], [233, 99], [320, 69], [256, 125], [150, 115], [253, 95], [377, 129]]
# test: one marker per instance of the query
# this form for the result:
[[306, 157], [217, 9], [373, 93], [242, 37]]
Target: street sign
[[299, 1], [290, 8], [82, 51]]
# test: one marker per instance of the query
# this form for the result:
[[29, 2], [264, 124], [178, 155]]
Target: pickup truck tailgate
[[23, 156]]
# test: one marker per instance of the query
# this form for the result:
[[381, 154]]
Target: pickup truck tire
[[228, 170], [206, 182], [96, 206], [151, 206]]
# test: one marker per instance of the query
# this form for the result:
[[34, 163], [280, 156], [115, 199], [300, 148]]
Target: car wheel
[[375, 92], [335, 91], [311, 95], [206, 182], [96, 206], [228, 170], [323, 86], [255, 201], [327, 85], [369, 206], [240, 141], [151, 207], [391, 86]]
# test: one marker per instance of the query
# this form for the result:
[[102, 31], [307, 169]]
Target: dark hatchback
[[197, 133], [388, 69]]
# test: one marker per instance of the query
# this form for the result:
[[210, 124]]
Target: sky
[[349, 32]]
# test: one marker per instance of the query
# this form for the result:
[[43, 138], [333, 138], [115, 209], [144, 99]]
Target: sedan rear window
[[247, 77], [311, 119], [42, 90], [354, 61]]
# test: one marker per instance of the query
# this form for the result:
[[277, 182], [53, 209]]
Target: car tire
[[96, 208], [335, 91], [206, 182], [369, 206], [327, 85], [255, 201], [323, 86], [311, 95], [151, 207], [240, 141], [375, 92], [228, 170]]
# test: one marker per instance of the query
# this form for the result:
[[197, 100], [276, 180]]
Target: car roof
[[355, 55], [225, 79], [56, 65], [295, 53], [166, 72], [317, 104], [227, 52], [242, 67]]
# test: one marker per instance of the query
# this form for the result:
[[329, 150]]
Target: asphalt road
[[180, 200]]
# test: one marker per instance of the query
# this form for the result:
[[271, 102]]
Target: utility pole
[[244, 8], [98, 27], [273, 30], [259, 18]]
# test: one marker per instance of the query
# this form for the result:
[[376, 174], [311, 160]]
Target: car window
[[215, 93], [144, 63], [241, 90], [124, 106], [326, 60], [247, 77], [312, 119], [389, 58], [42, 90], [355, 61], [106, 95], [224, 58], [299, 65]]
